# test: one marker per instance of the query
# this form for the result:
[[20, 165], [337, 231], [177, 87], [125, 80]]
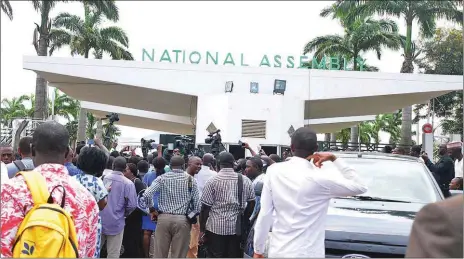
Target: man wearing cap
[[455, 151]]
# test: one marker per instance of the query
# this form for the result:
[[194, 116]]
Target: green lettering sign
[[278, 61], [196, 57], [321, 64], [290, 63], [264, 62], [209, 56], [334, 63], [165, 56], [229, 59]]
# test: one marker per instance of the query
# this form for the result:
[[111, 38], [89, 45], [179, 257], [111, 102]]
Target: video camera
[[146, 145], [112, 117], [215, 140], [185, 144]]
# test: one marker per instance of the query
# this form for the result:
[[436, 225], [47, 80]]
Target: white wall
[[227, 112]]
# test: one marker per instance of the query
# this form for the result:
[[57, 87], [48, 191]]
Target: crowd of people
[[133, 207]]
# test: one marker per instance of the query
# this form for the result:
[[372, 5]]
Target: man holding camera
[[179, 206]]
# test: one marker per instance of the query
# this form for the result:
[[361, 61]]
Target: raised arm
[[348, 185]]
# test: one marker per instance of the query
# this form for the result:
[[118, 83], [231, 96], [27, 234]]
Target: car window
[[395, 179]]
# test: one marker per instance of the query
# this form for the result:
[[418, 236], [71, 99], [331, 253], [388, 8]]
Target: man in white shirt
[[298, 193], [455, 151], [205, 172]]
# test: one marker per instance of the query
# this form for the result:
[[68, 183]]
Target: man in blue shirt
[[26, 163]]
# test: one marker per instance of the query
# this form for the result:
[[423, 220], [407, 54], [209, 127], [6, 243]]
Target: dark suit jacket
[[443, 170], [437, 230]]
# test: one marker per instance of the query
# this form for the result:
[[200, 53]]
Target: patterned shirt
[[174, 196], [72, 169], [16, 201], [221, 194], [99, 192]]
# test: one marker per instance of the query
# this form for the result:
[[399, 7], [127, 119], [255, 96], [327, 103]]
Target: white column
[[82, 125], [99, 129]]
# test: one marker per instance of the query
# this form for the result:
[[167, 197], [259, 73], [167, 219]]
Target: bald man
[[178, 201], [194, 165]]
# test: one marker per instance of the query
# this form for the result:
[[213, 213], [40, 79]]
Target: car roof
[[376, 155]]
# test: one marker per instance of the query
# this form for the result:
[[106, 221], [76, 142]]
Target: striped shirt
[[174, 195], [221, 194]]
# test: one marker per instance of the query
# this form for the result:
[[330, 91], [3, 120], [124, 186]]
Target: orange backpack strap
[[37, 186]]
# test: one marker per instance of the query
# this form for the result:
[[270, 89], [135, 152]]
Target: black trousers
[[223, 246]]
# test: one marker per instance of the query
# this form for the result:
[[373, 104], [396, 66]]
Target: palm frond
[[106, 7], [116, 34], [7, 9], [69, 21], [58, 39], [318, 41]]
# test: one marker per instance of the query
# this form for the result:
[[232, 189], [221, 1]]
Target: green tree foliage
[[423, 13], [91, 130], [362, 34], [84, 35], [23, 107], [443, 54], [13, 108], [43, 36]]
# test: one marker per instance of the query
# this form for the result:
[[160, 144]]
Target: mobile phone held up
[[241, 143], [91, 142]]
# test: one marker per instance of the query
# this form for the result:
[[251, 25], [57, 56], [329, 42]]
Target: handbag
[[191, 217], [242, 225]]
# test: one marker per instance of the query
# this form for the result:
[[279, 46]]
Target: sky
[[249, 27]]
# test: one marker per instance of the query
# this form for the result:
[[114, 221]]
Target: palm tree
[[43, 36], [362, 35], [13, 108], [344, 136], [112, 130], [423, 12], [85, 35], [65, 106], [90, 129], [71, 126], [6, 8]]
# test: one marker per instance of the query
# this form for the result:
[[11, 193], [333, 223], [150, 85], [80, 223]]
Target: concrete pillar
[[99, 129], [82, 124]]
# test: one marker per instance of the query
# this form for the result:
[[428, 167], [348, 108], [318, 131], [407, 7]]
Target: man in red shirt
[[49, 150]]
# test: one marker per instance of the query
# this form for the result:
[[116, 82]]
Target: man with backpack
[[48, 197], [26, 163]]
